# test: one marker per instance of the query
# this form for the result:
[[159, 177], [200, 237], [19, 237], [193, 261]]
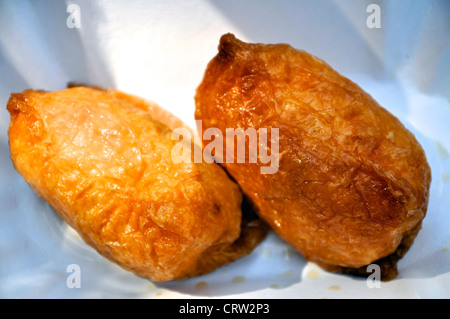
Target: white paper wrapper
[[159, 50]]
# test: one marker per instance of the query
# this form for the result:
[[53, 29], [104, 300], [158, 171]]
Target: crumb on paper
[[238, 279]]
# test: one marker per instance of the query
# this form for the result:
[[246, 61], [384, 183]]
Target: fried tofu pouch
[[103, 162], [352, 184]]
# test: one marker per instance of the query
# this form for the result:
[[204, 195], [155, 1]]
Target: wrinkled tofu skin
[[102, 160], [353, 183]]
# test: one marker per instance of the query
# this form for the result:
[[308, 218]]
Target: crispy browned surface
[[103, 162], [352, 180]]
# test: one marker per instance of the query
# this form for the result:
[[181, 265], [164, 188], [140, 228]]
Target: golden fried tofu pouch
[[103, 162], [352, 184]]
